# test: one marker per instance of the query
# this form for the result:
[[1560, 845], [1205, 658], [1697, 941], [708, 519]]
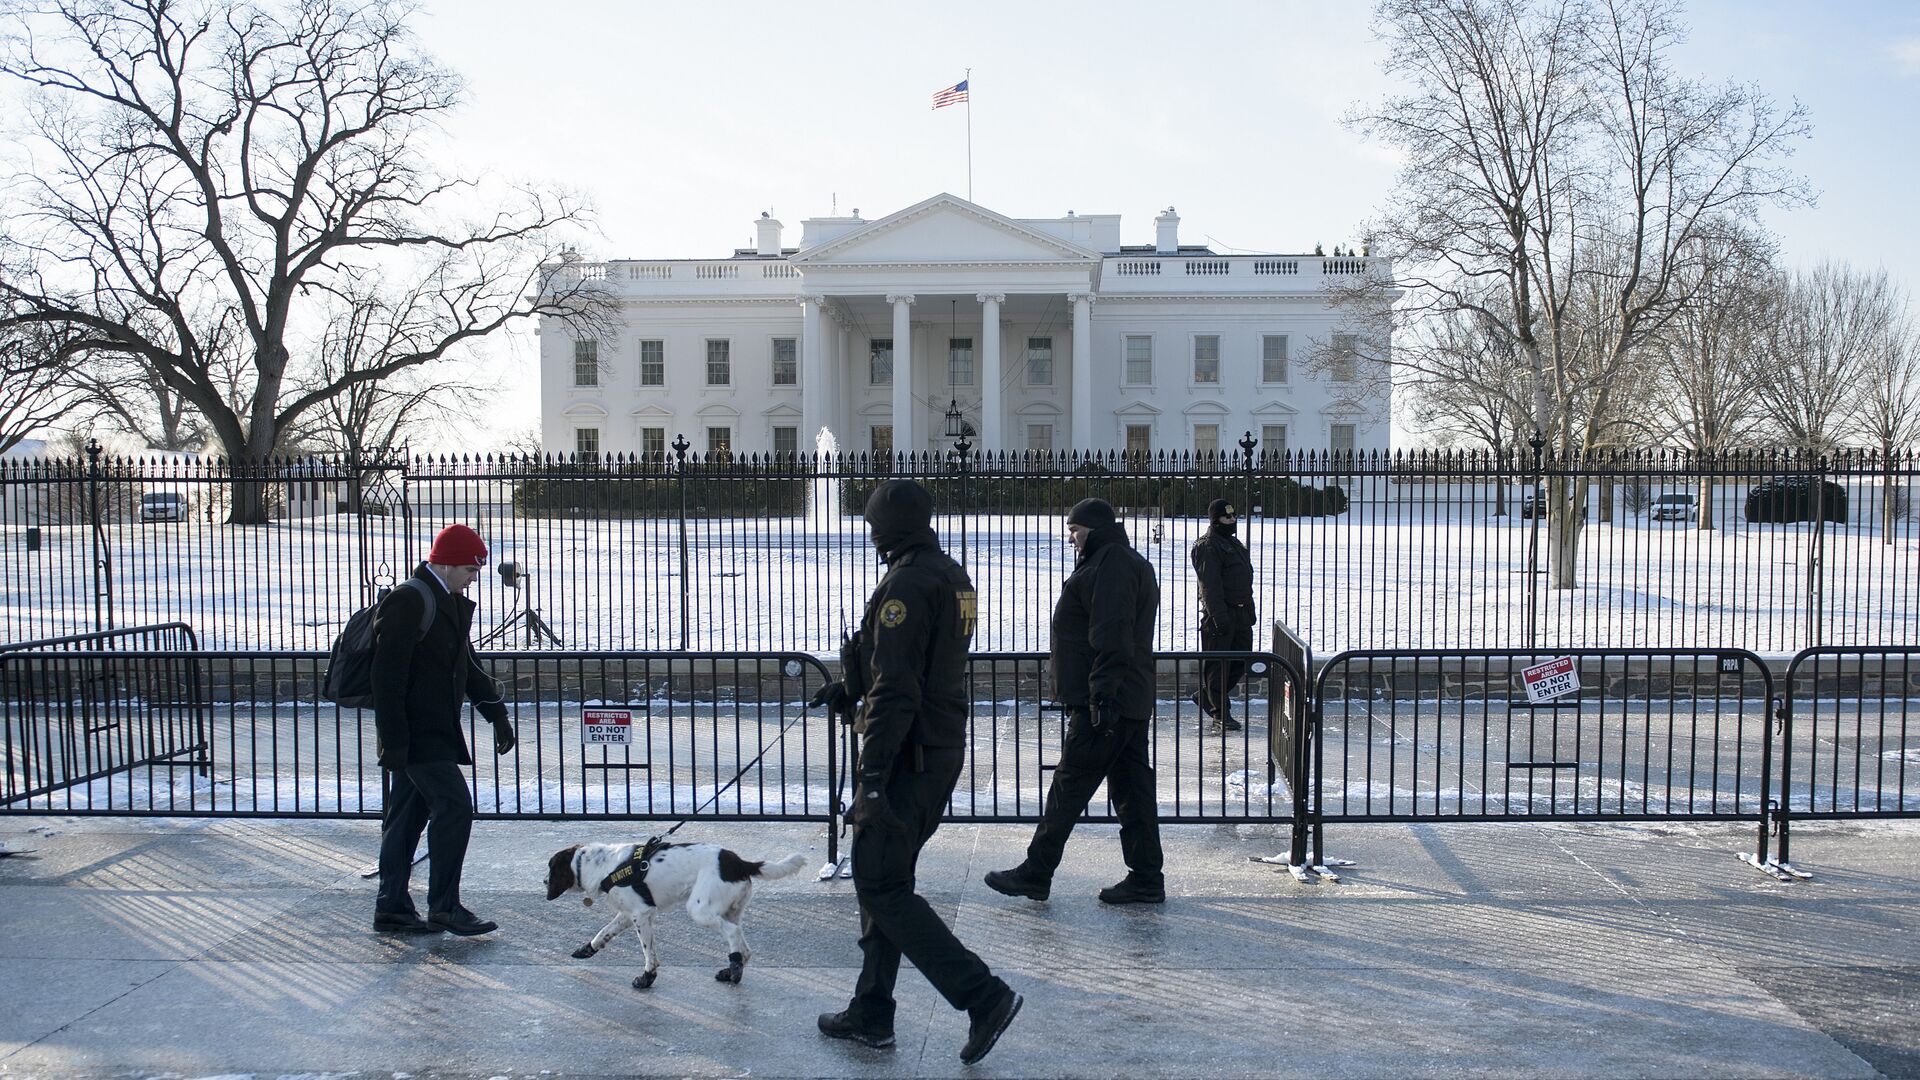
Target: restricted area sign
[[606, 727], [1555, 678]]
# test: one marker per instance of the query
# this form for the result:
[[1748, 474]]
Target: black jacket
[[1102, 644], [1225, 571], [914, 640], [419, 680]]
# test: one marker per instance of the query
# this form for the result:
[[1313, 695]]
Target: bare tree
[[1885, 413], [217, 178], [1462, 381], [1706, 400], [1551, 151], [1829, 324], [38, 393]]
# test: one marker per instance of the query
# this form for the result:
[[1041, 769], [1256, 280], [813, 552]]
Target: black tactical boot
[[1019, 881], [842, 1025], [1129, 891]]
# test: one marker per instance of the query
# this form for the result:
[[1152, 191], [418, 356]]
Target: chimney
[[769, 236], [1166, 230]]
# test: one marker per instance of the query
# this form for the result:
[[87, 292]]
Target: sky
[[682, 122]]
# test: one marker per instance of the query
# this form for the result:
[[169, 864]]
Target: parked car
[[1536, 497], [163, 506], [1674, 506], [1790, 498]]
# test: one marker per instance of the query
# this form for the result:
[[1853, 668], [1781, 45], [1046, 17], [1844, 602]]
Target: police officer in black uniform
[[1225, 572], [909, 700], [1102, 666]]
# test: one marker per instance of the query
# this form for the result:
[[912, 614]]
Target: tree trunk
[[1565, 501], [1703, 514]]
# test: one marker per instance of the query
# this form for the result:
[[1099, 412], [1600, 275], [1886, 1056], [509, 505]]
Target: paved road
[[215, 947]]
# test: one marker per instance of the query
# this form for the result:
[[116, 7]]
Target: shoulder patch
[[893, 613]]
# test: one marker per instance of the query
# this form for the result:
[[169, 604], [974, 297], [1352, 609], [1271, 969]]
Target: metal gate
[[1455, 735]]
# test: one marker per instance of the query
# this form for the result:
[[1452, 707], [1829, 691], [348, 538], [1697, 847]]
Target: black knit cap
[[1093, 513], [899, 508], [1218, 509]]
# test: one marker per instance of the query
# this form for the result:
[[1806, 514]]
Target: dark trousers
[[432, 796], [1219, 677], [896, 920], [1087, 757]]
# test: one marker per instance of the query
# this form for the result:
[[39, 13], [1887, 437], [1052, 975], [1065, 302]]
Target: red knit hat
[[458, 545]]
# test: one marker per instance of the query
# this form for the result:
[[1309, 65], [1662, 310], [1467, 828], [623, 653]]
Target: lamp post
[[958, 429]]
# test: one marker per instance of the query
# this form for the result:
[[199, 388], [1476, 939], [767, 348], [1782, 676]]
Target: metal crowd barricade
[[56, 731], [1451, 735], [1205, 774], [1849, 737]]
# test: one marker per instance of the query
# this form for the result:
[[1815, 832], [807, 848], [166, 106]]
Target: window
[[1139, 360], [1040, 362], [1206, 358], [719, 362], [1340, 364], [719, 440], [960, 361], [1040, 437], [1273, 358], [1139, 438], [1273, 441], [786, 362], [880, 363], [586, 362], [786, 440], [586, 443], [653, 363], [653, 441], [1206, 440], [880, 439], [1341, 439]]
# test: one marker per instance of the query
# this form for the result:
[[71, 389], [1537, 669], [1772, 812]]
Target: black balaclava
[[1218, 509], [1102, 526], [900, 516]]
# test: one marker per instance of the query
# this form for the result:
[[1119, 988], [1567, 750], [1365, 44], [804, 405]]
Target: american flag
[[952, 95]]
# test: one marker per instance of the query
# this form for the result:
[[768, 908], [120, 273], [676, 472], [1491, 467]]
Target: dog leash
[[722, 789]]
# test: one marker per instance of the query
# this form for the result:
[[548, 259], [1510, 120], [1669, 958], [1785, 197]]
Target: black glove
[[503, 738], [1105, 716], [871, 808], [835, 697], [1213, 625]]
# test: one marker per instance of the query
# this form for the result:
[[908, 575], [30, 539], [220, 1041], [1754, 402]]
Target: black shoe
[[402, 922], [1018, 881], [463, 922], [1129, 891], [987, 1026], [842, 1025], [1227, 723]]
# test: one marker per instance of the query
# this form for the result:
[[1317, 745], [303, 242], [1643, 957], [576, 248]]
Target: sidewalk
[[202, 947]]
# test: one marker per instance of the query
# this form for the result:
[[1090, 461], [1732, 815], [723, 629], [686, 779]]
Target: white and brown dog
[[639, 879]]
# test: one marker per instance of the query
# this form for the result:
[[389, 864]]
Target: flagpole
[[969, 134]]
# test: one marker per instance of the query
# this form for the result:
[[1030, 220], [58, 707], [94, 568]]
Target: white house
[[1047, 334]]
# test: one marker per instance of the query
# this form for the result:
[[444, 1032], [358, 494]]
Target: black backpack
[[350, 665]]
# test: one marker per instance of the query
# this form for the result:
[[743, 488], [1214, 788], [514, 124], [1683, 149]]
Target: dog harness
[[633, 872]]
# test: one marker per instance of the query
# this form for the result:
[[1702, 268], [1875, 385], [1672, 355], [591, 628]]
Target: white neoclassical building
[[1046, 334]]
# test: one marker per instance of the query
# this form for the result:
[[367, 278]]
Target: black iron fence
[[1771, 552]]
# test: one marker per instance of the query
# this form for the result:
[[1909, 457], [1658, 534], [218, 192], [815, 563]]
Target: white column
[[813, 373], [903, 372], [1082, 418], [990, 438], [844, 374]]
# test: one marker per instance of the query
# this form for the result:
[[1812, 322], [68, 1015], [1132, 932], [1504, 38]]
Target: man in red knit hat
[[419, 679]]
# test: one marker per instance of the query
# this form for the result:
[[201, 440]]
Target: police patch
[[892, 614]]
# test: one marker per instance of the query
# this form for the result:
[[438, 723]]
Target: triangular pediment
[[944, 229]]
